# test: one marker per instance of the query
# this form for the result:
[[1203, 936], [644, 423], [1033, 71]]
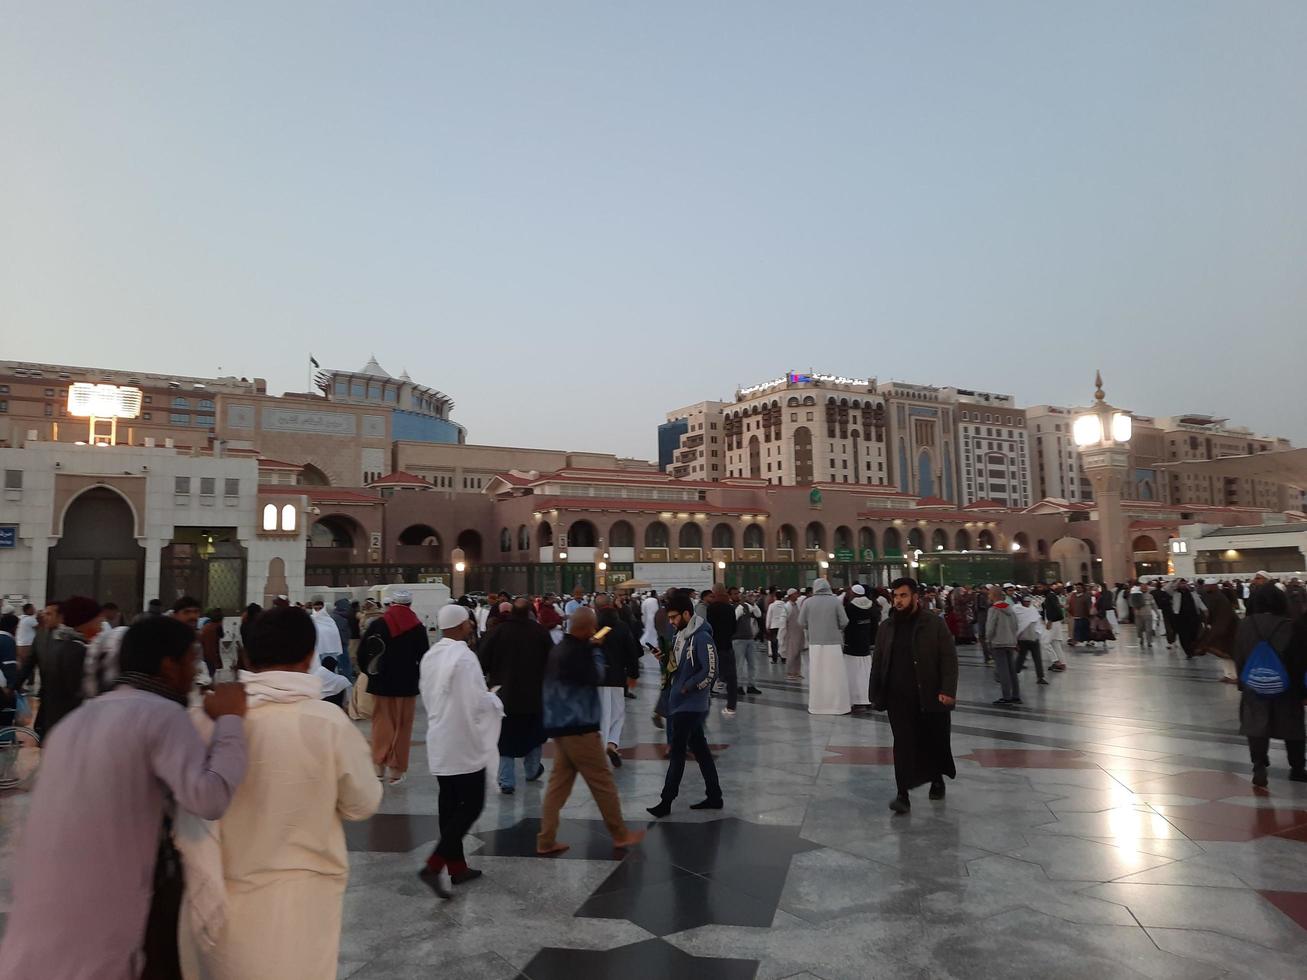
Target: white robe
[[828, 682], [463, 718], [649, 613]]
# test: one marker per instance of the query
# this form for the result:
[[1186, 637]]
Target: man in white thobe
[[824, 619]]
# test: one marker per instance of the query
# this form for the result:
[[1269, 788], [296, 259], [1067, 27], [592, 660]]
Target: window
[[794, 416], [148, 416], [374, 391], [270, 517], [357, 389], [206, 405], [342, 391], [180, 403], [204, 420], [4, 389], [49, 392], [208, 486], [289, 515], [179, 418], [4, 405], [392, 395], [809, 419], [49, 410], [231, 487], [181, 484], [13, 479]]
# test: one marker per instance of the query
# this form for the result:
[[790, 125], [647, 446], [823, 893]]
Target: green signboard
[[844, 554]]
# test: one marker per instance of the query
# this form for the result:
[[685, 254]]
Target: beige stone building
[[701, 454]]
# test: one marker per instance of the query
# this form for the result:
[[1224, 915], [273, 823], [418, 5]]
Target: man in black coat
[[621, 653], [400, 640], [513, 656], [720, 614], [914, 676], [864, 618]]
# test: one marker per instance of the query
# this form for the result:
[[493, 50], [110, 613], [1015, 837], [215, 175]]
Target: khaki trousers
[[582, 754], [392, 731]]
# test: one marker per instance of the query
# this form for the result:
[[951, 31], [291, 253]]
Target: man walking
[[1002, 630], [513, 658], [719, 613], [571, 709], [859, 634], [914, 676], [62, 661], [743, 645], [463, 720], [25, 635], [695, 656], [777, 610], [824, 618]]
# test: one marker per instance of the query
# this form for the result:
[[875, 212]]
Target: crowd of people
[[218, 785]]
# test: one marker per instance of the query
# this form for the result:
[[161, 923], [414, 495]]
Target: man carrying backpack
[[1270, 652]]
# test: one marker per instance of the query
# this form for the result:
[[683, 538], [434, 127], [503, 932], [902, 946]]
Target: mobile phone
[[603, 632]]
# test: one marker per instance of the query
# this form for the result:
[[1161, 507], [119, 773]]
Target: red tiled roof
[[986, 505], [399, 479], [655, 506], [277, 464], [325, 495], [933, 502]]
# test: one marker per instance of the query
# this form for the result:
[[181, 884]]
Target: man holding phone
[[695, 655]]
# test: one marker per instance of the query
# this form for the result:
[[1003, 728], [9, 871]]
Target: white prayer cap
[[451, 615], [403, 596], [792, 592], [859, 590]]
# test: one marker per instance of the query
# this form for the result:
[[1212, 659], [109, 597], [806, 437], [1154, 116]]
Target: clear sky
[[572, 217]]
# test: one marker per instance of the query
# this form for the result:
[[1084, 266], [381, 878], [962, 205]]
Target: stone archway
[[97, 553], [1074, 557]]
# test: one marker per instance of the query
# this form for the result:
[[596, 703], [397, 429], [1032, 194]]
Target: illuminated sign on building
[[796, 378]]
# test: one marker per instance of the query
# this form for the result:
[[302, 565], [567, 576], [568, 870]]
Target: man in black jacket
[[864, 618], [513, 656], [400, 640], [720, 614], [914, 676], [621, 663]]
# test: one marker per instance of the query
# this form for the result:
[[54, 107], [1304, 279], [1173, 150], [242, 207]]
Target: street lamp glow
[[1016, 546], [460, 566], [1087, 430], [1122, 427], [603, 566], [721, 566]]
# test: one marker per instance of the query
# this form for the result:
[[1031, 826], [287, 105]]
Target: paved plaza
[[1107, 828]]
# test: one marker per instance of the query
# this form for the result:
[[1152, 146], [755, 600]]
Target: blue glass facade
[[669, 438], [412, 427]]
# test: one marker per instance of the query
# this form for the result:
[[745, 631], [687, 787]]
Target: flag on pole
[[314, 361]]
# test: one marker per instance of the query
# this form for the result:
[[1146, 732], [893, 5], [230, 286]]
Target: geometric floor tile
[[1029, 759], [1230, 822], [588, 840], [1292, 904], [653, 959], [1204, 784], [859, 755], [645, 751], [397, 833]]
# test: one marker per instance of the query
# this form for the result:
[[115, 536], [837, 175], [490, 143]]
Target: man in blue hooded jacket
[[695, 657]]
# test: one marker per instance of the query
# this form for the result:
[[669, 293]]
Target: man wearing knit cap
[[463, 720], [62, 661]]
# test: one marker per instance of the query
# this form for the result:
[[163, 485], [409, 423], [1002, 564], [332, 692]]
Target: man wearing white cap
[[864, 617], [390, 654], [463, 720]]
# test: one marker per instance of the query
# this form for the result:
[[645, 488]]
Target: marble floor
[[1104, 829]]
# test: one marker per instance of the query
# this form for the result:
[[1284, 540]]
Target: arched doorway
[[656, 535], [893, 542], [419, 534], [814, 537], [939, 540], [786, 537], [916, 540], [621, 535], [802, 455], [523, 538], [505, 540], [985, 540], [1020, 542], [754, 538], [470, 542], [1072, 554], [335, 531], [581, 534], [843, 539], [545, 535], [866, 543], [97, 554], [962, 540], [1041, 549], [723, 536], [690, 536]]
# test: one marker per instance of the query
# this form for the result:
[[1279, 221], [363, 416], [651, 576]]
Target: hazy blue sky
[[573, 217]]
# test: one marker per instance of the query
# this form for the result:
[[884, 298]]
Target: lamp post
[[1103, 436]]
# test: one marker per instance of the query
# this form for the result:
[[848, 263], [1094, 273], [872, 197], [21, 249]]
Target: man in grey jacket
[[1001, 629], [823, 617]]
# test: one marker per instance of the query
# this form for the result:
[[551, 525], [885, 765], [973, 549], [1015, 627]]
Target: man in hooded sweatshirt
[[463, 721], [864, 617], [1002, 629], [824, 619], [400, 640], [695, 656]]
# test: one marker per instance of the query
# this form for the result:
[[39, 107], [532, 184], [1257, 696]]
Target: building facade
[[700, 453], [993, 450]]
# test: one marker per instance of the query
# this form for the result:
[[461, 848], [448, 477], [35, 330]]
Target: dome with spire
[[404, 376], [374, 369]]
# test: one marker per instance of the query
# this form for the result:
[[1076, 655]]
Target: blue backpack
[[1263, 673]]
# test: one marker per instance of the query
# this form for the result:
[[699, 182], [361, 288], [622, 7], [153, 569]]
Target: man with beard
[[914, 676]]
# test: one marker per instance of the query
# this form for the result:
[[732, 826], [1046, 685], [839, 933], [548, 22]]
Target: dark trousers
[[1260, 751], [461, 799], [726, 671], [1030, 647], [687, 735], [773, 640]]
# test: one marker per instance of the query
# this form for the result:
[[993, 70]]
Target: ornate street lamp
[[1103, 436]]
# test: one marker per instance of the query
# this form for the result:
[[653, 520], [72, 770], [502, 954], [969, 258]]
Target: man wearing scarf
[[109, 775], [266, 882], [695, 656], [399, 639]]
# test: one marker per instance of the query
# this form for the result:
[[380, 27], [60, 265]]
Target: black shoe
[[506, 790], [773, 660], [1298, 775], [1259, 775], [1003, 701], [1015, 701], [936, 791], [900, 804], [661, 810], [435, 880], [707, 805], [614, 757], [1042, 681], [629, 696], [463, 877], [783, 660], [740, 690], [539, 772], [752, 690]]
